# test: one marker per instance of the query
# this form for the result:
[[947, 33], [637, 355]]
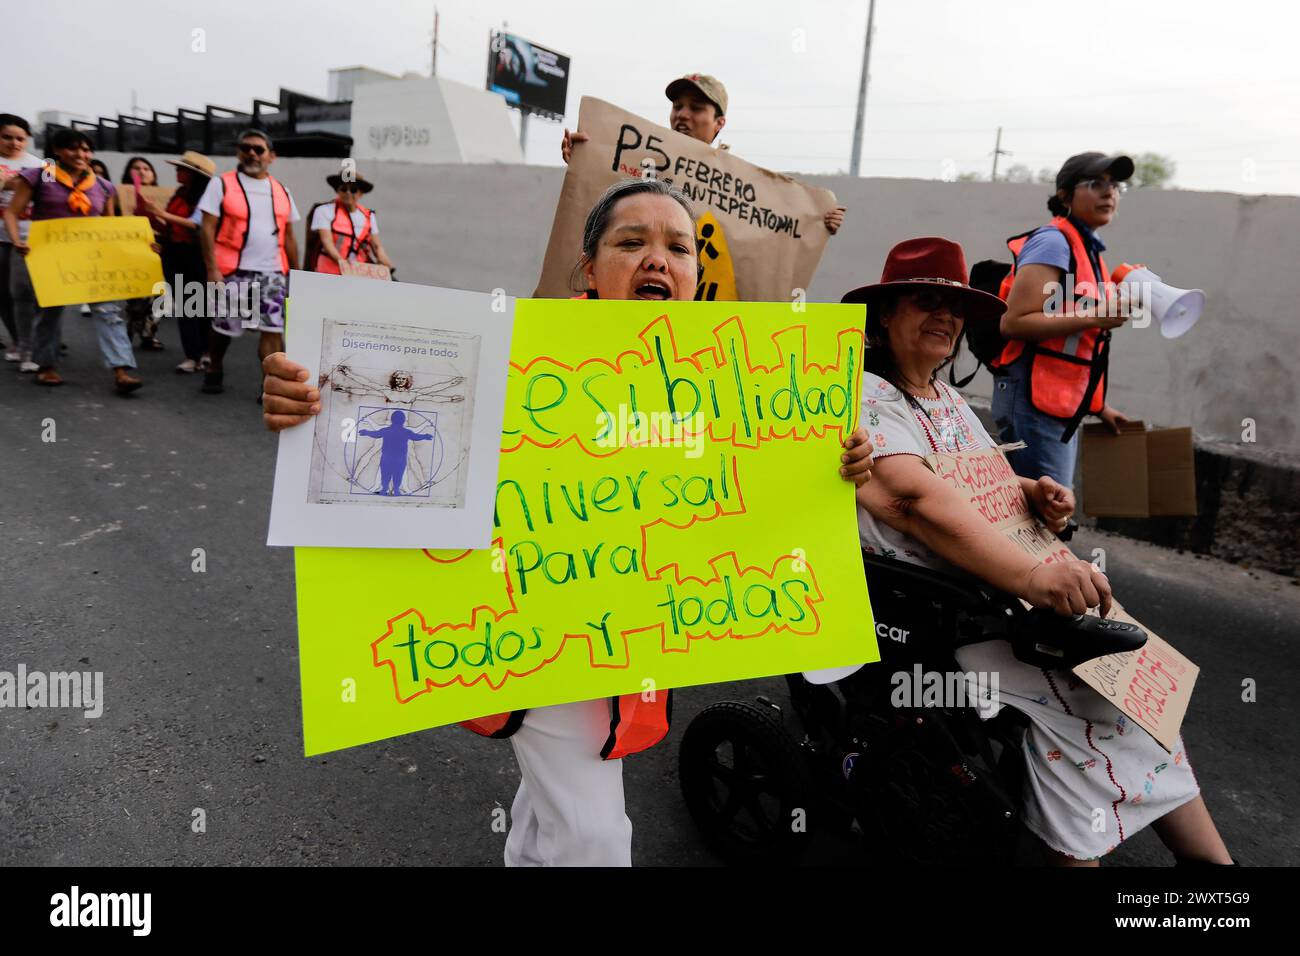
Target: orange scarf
[[78, 201]]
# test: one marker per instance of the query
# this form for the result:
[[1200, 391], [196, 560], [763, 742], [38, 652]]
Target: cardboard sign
[[364, 270], [158, 195], [1151, 686], [759, 234], [669, 512], [92, 259], [1138, 473]]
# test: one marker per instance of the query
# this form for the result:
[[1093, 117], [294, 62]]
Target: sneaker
[[125, 382], [48, 376], [212, 384], [85, 310], [188, 367], [205, 364], [13, 355], [28, 366]]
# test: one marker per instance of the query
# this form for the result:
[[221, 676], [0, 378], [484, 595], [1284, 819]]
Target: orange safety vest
[[346, 239], [635, 724], [1067, 376], [177, 205], [232, 226]]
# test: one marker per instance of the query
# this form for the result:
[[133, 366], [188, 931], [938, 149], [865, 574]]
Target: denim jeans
[[1017, 420], [16, 322]]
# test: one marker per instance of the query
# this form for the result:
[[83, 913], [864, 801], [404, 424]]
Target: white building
[[426, 119]]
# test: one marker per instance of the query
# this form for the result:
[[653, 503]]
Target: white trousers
[[569, 809]]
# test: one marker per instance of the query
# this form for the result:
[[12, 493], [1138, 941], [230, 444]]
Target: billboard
[[530, 77]]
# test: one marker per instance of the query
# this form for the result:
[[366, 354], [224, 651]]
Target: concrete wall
[[486, 227]]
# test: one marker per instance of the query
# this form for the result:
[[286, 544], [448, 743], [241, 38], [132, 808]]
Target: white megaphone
[[1175, 309]]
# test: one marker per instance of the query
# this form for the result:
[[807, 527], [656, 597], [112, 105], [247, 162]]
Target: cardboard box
[[1138, 473], [158, 195]]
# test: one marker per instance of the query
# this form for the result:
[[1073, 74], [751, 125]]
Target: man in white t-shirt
[[249, 248], [14, 158]]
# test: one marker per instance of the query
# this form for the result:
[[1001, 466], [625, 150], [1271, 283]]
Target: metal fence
[[300, 125]]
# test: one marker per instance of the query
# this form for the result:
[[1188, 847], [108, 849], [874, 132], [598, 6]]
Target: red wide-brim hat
[[930, 261]]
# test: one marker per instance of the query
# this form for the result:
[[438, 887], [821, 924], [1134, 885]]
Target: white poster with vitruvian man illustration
[[403, 453], [759, 234], [390, 436]]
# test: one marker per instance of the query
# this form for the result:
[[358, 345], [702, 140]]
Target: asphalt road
[[97, 532]]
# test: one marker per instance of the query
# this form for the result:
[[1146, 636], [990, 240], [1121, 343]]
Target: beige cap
[[708, 86], [196, 162]]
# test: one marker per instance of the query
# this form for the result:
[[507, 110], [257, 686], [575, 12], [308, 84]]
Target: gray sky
[[1214, 86]]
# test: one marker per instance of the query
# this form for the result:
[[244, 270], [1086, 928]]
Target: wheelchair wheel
[[744, 781]]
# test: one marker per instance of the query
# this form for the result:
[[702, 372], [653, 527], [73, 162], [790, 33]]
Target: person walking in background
[[140, 320], [345, 229], [72, 190], [182, 257], [699, 111], [248, 245], [1052, 371], [15, 134]]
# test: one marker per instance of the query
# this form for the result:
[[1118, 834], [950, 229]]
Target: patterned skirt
[[1093, 777]]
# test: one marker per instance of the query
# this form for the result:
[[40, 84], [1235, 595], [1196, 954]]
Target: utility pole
[[998, 151], [433, 67], [856, 161]]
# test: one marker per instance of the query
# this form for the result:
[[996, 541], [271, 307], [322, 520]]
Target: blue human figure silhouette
[[392, 454]]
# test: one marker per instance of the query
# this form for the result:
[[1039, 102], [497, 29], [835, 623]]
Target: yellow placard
[[92, 259], [669, 512]]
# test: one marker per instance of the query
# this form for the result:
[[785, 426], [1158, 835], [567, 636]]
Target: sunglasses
[[349, 188], [1099, 187], [932, 300], [252, 148]]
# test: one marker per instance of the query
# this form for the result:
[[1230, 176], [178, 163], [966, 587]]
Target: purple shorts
[[251, 300]]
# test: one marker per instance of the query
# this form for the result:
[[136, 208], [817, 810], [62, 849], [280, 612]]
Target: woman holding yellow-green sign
[[639, 243], [66, 188]]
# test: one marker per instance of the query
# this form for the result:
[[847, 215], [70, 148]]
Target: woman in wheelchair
[[1091, 780]]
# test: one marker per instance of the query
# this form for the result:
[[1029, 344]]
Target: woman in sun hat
[[344, 229], [182, 257], [1092, 778]]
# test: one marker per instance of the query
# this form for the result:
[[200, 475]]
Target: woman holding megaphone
[[1060, 312]]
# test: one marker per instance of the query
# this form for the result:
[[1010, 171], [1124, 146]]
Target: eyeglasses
[[1099, 187], [932, 300], [252, 148]]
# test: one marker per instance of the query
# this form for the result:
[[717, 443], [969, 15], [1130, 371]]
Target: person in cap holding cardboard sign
[[345, 230], [1080, 752], [700, 111], [1060, 312]]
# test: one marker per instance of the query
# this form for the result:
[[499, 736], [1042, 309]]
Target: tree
[[1019, 173], [969, 177], [1153, 170], [1046, 175]]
